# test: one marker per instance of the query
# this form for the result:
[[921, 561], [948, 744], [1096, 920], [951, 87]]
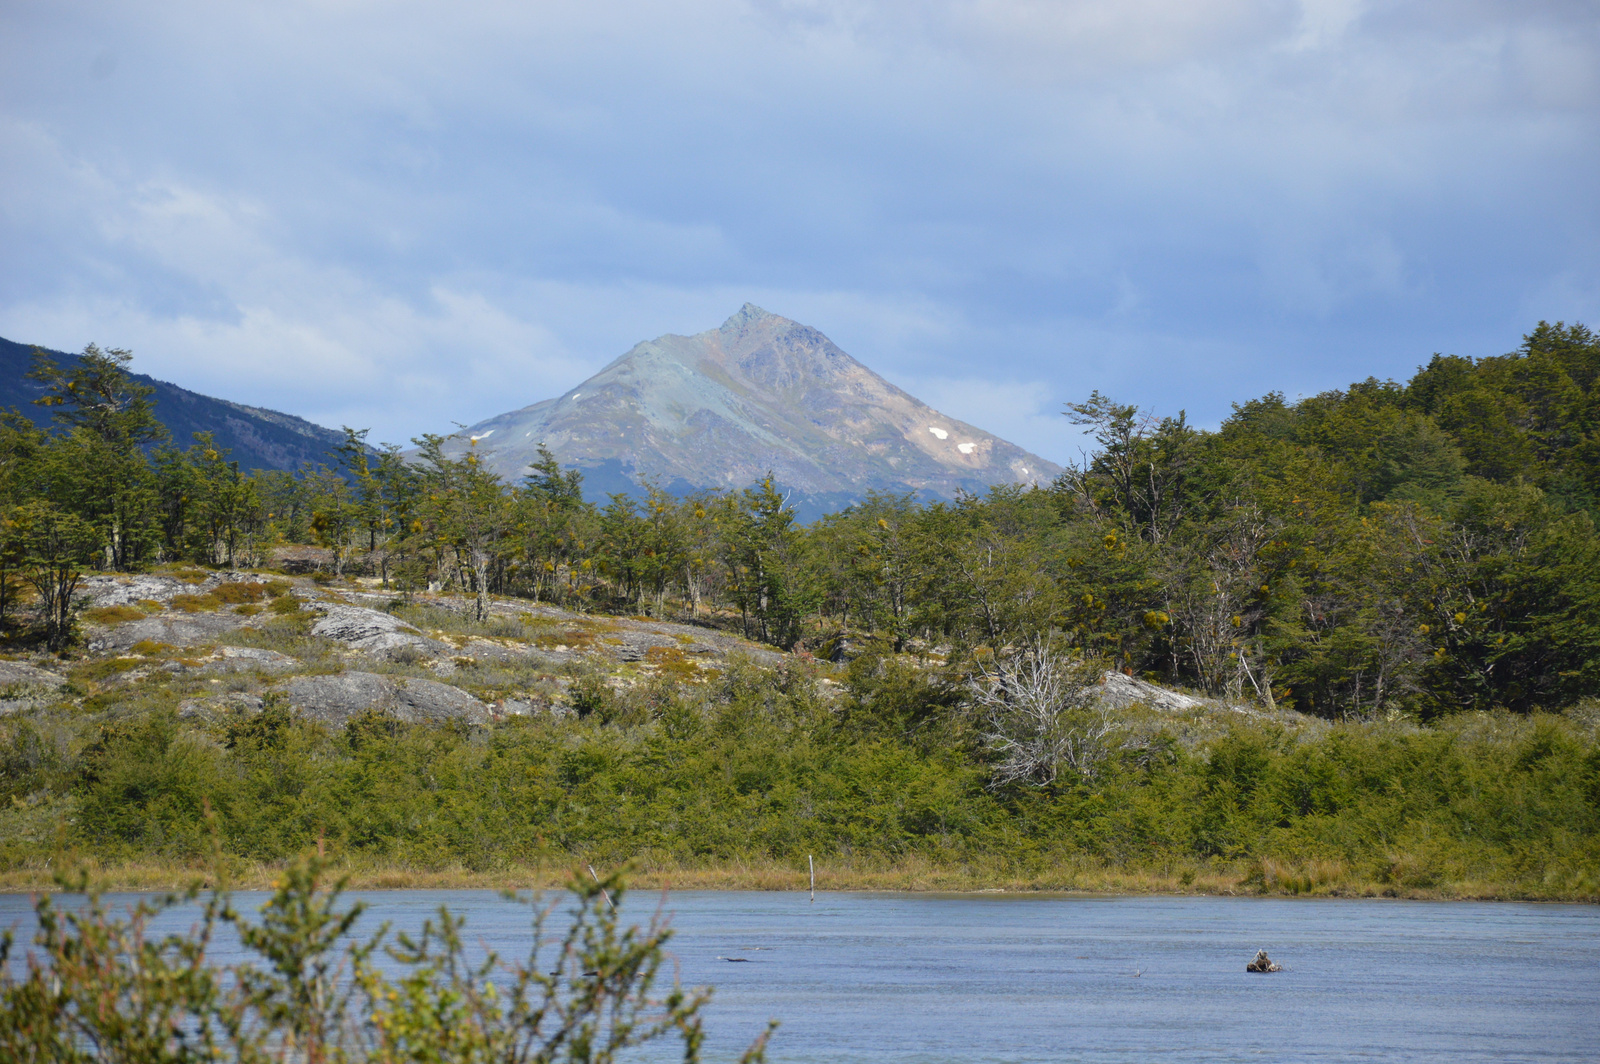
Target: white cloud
[[1324, 23], [1054, 40], [394, 215]]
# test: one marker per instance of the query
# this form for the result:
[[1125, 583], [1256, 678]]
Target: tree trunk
[[480, 573]]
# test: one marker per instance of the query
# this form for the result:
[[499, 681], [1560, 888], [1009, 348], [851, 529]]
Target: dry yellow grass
[[113, 614], [1256, 878]]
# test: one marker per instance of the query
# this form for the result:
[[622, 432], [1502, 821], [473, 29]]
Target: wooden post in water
[[813, 866], [603, 893]]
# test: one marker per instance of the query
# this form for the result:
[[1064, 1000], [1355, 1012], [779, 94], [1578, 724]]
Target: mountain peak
[[760, 394], [746, 316]]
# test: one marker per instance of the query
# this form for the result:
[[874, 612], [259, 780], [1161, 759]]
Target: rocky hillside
[[258, 438], [221, 644], [721, 408]]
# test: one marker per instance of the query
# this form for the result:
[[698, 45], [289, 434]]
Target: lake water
[[902, 978]]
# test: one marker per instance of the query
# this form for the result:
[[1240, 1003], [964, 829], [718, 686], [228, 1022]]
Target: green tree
[[464, 510], [877, 551], [547, 480], [21, 445], [1531, 414], [286, 500], [1511, 597], [760, 544], [177, 487], [992, 579], [1388, 451], [100, 471], [665, 545], [551, 522], [624, 541], [1139, 474], [335, 520], [59, 546], [228, 508]]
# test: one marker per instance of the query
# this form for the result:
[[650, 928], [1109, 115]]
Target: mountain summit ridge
[[759, 393]]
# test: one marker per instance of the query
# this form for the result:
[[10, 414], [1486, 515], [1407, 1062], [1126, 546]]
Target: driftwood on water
[[1262, 963]]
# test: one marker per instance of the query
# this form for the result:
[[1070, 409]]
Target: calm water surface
[[907, 978]]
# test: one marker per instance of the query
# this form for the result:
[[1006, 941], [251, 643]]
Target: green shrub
[[100, 987], [758, 764], [113, 614], [196, 603], [236, 593]]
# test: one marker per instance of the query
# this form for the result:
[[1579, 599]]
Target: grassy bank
[[1328, 879]]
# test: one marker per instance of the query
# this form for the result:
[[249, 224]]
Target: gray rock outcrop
[[177, 630], [1120, 691], [336, 699], [24, 686], [212, 710], [15, 674], [128, 590], [101, 590], [372, 631], [251, 659]]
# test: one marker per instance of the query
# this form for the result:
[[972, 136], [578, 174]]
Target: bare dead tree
[[1211, 586], [1040, 714]]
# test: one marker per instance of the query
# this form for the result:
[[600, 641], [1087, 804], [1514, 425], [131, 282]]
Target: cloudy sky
[[403, 215]]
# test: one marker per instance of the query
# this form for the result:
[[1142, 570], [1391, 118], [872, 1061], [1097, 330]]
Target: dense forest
[[1415, 549], [1398, 584]]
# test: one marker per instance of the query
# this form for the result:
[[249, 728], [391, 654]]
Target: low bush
[[235, 593], [196, 603], [99, 986], [758, 765], [113, 614], [285, 605]]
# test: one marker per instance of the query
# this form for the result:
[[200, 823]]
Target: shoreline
[[1261, 879]]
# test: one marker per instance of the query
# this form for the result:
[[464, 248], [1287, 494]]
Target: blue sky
[[403, 215]]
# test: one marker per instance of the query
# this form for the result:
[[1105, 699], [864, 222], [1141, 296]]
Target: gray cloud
[[401, 216]]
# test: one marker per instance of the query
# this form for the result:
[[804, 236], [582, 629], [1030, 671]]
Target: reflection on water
[[923, 978]]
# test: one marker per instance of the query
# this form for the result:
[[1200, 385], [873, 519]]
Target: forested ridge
[[1420, 548], [1415, 564]]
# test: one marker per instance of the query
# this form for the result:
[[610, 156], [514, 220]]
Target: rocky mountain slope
[[258, 438], [760, 393]]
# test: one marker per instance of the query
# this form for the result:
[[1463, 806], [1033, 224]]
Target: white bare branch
[[1040, 714]]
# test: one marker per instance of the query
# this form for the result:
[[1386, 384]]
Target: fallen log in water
[[1262, 963]]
